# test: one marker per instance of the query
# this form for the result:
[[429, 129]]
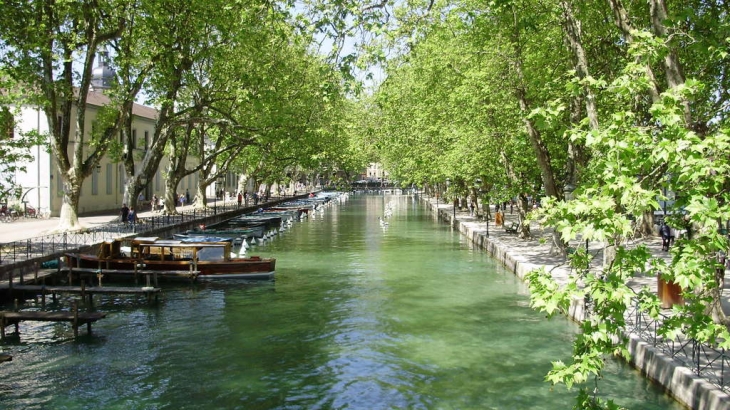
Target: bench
[[512, 227]]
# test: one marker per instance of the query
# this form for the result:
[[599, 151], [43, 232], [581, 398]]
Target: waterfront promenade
[[690, 372], [22, 229]]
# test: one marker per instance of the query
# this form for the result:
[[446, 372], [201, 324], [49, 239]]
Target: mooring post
[[76, 319], [70, 271]]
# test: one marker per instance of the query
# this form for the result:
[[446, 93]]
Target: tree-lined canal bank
[[361, 315]]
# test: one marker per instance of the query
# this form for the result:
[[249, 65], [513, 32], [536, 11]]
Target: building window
[[121, 178], [134, 139], [59, 185], [109, 180], [146, 140], [95, 180]]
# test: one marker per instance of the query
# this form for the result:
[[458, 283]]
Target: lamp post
[[480, 191], [448, 183], [218, 181]]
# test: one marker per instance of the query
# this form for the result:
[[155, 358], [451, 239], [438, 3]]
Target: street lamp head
[[448, 182], [568, 191]]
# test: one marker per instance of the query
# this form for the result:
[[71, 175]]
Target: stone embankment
[[524, 255]]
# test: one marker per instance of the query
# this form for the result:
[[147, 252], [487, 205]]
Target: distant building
[[375, 172]]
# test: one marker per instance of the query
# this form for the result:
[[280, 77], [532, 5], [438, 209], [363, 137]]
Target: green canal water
[[360, 316]]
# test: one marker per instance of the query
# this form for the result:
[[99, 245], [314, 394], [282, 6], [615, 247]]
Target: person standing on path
[[240, 198], [132, 216], [124, 213]]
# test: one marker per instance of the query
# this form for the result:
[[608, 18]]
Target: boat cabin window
[[217, 253]]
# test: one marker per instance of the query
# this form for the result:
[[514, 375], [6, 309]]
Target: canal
[[361, 316]]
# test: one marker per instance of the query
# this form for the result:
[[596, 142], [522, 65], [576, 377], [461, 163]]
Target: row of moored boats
[[216, 251]]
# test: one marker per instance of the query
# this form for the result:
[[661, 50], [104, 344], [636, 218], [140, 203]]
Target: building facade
[[42, 185]]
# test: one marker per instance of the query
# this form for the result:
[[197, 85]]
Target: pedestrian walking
[[666, 234], [187, 196], [240, 198]]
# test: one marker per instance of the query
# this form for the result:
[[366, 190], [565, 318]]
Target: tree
[[54, 64]]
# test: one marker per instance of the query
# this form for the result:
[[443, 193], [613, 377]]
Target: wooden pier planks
[[89, 291], [75, 318]]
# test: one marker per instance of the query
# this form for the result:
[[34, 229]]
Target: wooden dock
[[150, 275], [84, 291], [74, 317]]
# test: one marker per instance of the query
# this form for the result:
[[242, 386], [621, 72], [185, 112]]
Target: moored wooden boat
[[228, 231], [273, 220], [211, 260]]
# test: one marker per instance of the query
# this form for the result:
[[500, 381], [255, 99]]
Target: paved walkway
[[538, 250], [22, 229]]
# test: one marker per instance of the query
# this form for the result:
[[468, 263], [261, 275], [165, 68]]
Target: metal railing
[[703, 360], [47, 245]]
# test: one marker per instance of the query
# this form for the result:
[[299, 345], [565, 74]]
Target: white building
[[376, 172], [104, 189]]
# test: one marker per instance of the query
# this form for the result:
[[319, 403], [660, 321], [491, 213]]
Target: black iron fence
[[708, 362]]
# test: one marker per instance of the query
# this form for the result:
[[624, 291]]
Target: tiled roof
[[98, 99]]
